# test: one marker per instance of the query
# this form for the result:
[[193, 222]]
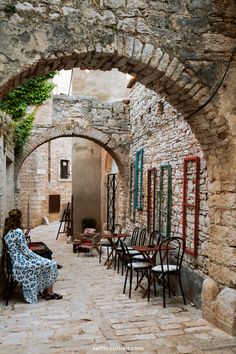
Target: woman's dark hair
[[13, 221]]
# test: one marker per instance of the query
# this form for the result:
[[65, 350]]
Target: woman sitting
[[35, 273]]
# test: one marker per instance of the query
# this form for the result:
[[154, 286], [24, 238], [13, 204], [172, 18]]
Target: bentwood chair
[[154, 238], [133, 241], [171, 257], [139, 267]]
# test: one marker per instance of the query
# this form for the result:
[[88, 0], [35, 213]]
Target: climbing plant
[[32, 93], [22, 131]]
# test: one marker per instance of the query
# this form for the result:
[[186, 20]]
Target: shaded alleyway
[[94, 315]]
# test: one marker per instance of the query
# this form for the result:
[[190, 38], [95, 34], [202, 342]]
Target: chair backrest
[[154, 238], [8, 262], [96, 239], [134, 236], [117, 229], [142, 237], [127, 258], [173, 253]]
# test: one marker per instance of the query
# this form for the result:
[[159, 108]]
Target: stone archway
[[117, 147], [194, 69]]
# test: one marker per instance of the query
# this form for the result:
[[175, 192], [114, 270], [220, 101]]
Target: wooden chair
[[89, 247]]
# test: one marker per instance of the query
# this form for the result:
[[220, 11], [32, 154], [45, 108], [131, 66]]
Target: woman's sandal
[[53, 297]]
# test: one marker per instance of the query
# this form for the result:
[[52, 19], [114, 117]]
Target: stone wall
[[166, 138], [150, 36], [6, 177], [7, 159]]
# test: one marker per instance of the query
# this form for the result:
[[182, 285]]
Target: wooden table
[[114, 242]]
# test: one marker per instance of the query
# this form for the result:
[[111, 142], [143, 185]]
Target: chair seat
[[105, 243], [139, 257], [139, 265], [131, 251], [129, 248], [170, 268]]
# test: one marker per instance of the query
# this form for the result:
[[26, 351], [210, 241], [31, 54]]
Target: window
[[64, 169], [138, 181]]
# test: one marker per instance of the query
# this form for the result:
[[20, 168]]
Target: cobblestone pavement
[[95, 317]]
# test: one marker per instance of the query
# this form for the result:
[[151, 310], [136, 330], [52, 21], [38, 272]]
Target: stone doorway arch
[[116, 151]]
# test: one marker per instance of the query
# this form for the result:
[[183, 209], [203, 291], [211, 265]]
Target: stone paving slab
[[95, 317]]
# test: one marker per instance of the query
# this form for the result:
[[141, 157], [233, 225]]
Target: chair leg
[[100, 254], [181, 288], [126, 276], [8, 290], [154, 284], [149, 282], [168, 282], [118, 264], [163, 291], [130, 281]]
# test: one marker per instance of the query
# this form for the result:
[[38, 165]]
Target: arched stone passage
[[152, 42], [182, 50], [117, 149]]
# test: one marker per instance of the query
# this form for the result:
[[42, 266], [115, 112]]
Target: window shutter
[[54, 203]]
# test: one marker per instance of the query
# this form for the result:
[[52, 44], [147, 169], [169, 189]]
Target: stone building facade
[[166, 139], [184, 51]]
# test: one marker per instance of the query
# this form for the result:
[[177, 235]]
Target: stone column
[[219, 289]]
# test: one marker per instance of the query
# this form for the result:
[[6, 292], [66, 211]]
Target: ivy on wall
[[22, 131], [32, 93]]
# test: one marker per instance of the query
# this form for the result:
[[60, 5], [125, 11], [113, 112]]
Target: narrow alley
[[94, 315]]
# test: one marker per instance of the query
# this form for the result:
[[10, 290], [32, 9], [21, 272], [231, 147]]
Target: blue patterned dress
[[32, 271]]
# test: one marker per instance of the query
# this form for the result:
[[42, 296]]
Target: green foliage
[[22, 131], [10, 10], [33, 92]]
